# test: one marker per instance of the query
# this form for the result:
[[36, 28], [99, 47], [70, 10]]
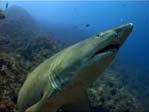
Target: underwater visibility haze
[[32, 31]]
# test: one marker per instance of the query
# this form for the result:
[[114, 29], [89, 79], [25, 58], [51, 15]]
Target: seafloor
[[22, 49]]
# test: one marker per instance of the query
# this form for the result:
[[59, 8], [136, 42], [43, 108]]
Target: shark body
[[62, 80]]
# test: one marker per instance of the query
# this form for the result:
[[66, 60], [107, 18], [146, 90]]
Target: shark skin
[[62, 80]]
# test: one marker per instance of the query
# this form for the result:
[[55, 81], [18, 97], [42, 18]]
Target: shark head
[[85, 60]]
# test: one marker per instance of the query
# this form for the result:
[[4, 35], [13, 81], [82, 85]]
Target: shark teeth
[[111, 47]]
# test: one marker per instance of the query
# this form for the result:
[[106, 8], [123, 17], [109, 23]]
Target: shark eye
[[100, 35]]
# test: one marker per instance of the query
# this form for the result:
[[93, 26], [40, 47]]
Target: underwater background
[[33, 31]]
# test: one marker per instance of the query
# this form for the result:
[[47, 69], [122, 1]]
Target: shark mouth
[[111, 47]]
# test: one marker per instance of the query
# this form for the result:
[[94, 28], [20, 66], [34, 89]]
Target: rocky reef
[[22, 49], [108, 94], [15, 64]]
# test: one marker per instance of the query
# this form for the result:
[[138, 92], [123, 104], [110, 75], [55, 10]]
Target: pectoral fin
[[38, 106]]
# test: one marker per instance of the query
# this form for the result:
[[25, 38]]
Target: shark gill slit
[[56, 82]]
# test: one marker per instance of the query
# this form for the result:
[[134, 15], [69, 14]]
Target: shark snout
[[123, 32]]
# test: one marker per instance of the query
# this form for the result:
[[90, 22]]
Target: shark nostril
[[119, 35]]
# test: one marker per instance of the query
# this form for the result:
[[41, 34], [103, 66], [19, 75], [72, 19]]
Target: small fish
[[87, 25], [6, 6], [2, 15]]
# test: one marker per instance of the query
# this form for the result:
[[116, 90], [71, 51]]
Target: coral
[[108, 94], [19, 54], [7, 106]]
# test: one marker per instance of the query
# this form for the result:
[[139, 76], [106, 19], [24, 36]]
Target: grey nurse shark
[[62, 80]]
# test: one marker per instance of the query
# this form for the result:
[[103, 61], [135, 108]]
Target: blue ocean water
[[100, 16], [74, 21]]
